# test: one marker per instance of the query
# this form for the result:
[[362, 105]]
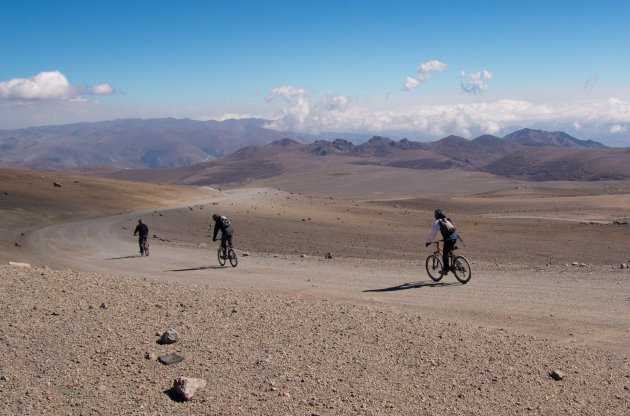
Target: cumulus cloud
[[43, 86], [103, 89], [298, 111], [51, 85], [476, 82], [425, 72], [411, 83]]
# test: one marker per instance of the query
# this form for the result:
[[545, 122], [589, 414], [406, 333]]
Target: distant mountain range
[[130, 143], [238, 151]]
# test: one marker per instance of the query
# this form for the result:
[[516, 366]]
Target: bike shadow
[[411, 285], [125, 257], [191, 269]]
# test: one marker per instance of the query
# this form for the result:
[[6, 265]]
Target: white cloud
[[476, 82], [103, 89], [410, 83], [427, 69], [43, 86], [46, 86], [425, 72], [617, 129], [299, 112], [296, 110]]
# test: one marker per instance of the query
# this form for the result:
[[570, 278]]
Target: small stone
[[169, 337], [557, 375], [150, 356]]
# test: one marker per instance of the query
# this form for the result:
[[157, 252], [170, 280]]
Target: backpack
[[225, 222], [446, 226]]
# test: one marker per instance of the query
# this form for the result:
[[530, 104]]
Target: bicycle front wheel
[[221, 256], [434, 266], [232, 257], [461, 269]]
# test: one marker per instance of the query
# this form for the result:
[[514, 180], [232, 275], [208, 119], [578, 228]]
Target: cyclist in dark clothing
[[443, 224], [143, 233], [223, 224]]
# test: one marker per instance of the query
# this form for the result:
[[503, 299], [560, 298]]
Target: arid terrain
[[290, 331]]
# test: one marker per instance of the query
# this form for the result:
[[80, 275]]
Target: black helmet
[[439, 214], [139, 221], [216, 217]]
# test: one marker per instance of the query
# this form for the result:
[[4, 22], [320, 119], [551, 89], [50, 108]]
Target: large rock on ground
[[186, 387]]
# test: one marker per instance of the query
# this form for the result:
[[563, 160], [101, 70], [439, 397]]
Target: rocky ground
[[80, 343], [85, 343]]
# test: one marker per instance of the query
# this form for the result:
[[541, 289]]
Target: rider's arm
[[434, 230], [216, 230]]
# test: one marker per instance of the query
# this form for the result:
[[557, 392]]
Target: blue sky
[[421, 70]]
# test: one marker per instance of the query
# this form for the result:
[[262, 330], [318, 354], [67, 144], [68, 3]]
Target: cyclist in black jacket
[[223, 224], [143, 233]]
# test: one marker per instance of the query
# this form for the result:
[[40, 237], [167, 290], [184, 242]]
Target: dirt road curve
[[588, 305]]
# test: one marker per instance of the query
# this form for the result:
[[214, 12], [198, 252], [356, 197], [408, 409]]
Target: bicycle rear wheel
[[434, 266], [232, 257], [221, 256], [461, 269]]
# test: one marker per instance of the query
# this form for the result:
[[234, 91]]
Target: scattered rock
[[557, 375], [328, 256], [186, 387], [169, 359], [56, 184], [103, 305], [624, 266], [150, 356], [169, 337]]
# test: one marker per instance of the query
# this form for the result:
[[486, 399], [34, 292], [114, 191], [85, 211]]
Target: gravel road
[[287, 335]]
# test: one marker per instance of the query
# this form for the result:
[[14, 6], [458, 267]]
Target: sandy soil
[[290, 332]]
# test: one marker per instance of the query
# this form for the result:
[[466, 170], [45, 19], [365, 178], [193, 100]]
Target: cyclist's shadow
[[412, 285], [190, 269]]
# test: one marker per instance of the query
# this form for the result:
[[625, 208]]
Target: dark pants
[[448, 248], [141, 240], [226, 237]]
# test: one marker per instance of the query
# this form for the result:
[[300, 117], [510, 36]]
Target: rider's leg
[[228, 238], [448, 248]]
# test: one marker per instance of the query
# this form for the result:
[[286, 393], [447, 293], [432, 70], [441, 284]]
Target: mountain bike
[[144, 247], [230, 255], [459, 265]]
